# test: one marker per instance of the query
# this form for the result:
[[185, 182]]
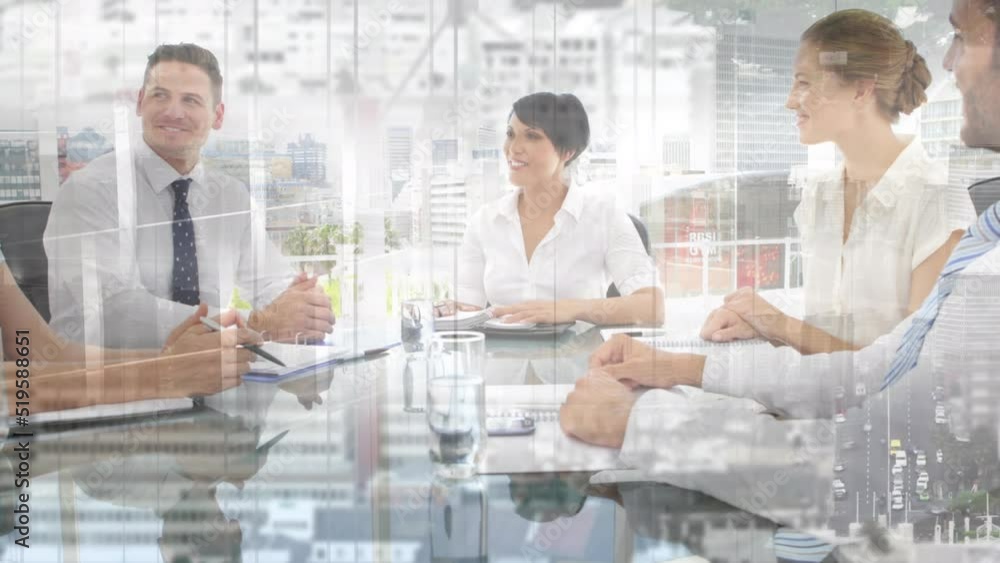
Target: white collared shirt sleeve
[[730, 449], [626, 260], [261, 276], [943, 210], [471, 265], [85, 212], [795, 386], [961, 343]]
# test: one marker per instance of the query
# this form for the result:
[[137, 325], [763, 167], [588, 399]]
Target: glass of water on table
[[456, 411]]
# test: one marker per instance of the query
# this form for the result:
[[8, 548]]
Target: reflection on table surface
[[334, 467]]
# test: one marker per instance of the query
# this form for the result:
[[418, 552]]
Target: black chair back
[[22, 225], [984, 194], [640, 227]]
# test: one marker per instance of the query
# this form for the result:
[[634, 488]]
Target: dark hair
[[560, 116], [191, 54], [862, 45]]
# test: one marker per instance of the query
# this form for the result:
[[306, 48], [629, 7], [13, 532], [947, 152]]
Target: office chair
[[640, 227], [22, 224]]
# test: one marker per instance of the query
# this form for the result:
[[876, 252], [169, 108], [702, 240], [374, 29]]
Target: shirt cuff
[[718, 376], [635, 282]]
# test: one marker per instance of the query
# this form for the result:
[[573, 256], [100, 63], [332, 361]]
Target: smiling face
[[824, 105], [531, 156], [178, 112], [971, 57]]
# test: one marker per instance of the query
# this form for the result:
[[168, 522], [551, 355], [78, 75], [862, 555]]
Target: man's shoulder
[[101, 172]]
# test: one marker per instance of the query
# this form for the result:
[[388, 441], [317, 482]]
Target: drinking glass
[[416, 332], [455, 402], [417, 325]]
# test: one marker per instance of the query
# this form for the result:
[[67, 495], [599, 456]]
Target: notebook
[[546, 450], [298, 359], [669, 339], [99, 413], [463, 320]]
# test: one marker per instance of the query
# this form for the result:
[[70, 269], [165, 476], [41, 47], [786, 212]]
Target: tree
[[297, 243], [392, 241]]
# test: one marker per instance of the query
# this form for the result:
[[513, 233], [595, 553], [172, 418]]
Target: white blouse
[[591, 244], [859, 290]]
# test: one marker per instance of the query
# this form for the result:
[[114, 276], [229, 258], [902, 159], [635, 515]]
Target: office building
[[308, 159], [399, 145], [19, 166], [753, 129], [676, 154]]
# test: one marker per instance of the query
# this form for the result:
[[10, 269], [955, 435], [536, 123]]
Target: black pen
[[643, 334], [370, 353], [252, 347]]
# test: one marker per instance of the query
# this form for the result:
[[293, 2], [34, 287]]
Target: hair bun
[[913, 81]]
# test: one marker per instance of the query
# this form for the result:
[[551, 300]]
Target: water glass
[[458, 517], [417, 325], [456, 402]]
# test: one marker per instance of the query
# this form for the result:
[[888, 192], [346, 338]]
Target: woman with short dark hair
[[546, 252]]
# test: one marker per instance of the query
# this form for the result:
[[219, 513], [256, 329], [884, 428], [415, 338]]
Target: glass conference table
[[334, 467]]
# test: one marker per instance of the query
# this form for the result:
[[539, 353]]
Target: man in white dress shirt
[[133, 249], [952, 341]]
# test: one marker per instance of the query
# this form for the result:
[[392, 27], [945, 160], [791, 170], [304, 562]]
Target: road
[[905, 412]]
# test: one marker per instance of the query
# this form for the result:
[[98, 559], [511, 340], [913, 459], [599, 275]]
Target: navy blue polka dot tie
[[185, 278]]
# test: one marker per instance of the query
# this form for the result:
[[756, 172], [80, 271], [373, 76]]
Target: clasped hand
[[303, 311], [200, 361], [598, 408], [744, 315]]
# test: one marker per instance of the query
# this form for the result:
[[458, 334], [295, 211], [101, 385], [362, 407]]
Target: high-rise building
[[399, 144], [753, 130], [449, 210], [308, 159], [676, 154], [19, 166]]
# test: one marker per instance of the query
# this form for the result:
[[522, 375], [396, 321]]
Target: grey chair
[[22, 224], [984, 194], [640, 227]]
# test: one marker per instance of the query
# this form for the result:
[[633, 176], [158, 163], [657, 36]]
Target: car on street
[[897, 470], [938, 393], [924, 496], [900, 458], [849, 445], [940, 456], [897, 481], [860, 390], [921, 458], [922, 481], [839, 468], [897, 500], [894, 445], [940, 417], [839, 418], [839, 489]]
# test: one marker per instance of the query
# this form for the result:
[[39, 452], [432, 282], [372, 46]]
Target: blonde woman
[[878, 228]]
